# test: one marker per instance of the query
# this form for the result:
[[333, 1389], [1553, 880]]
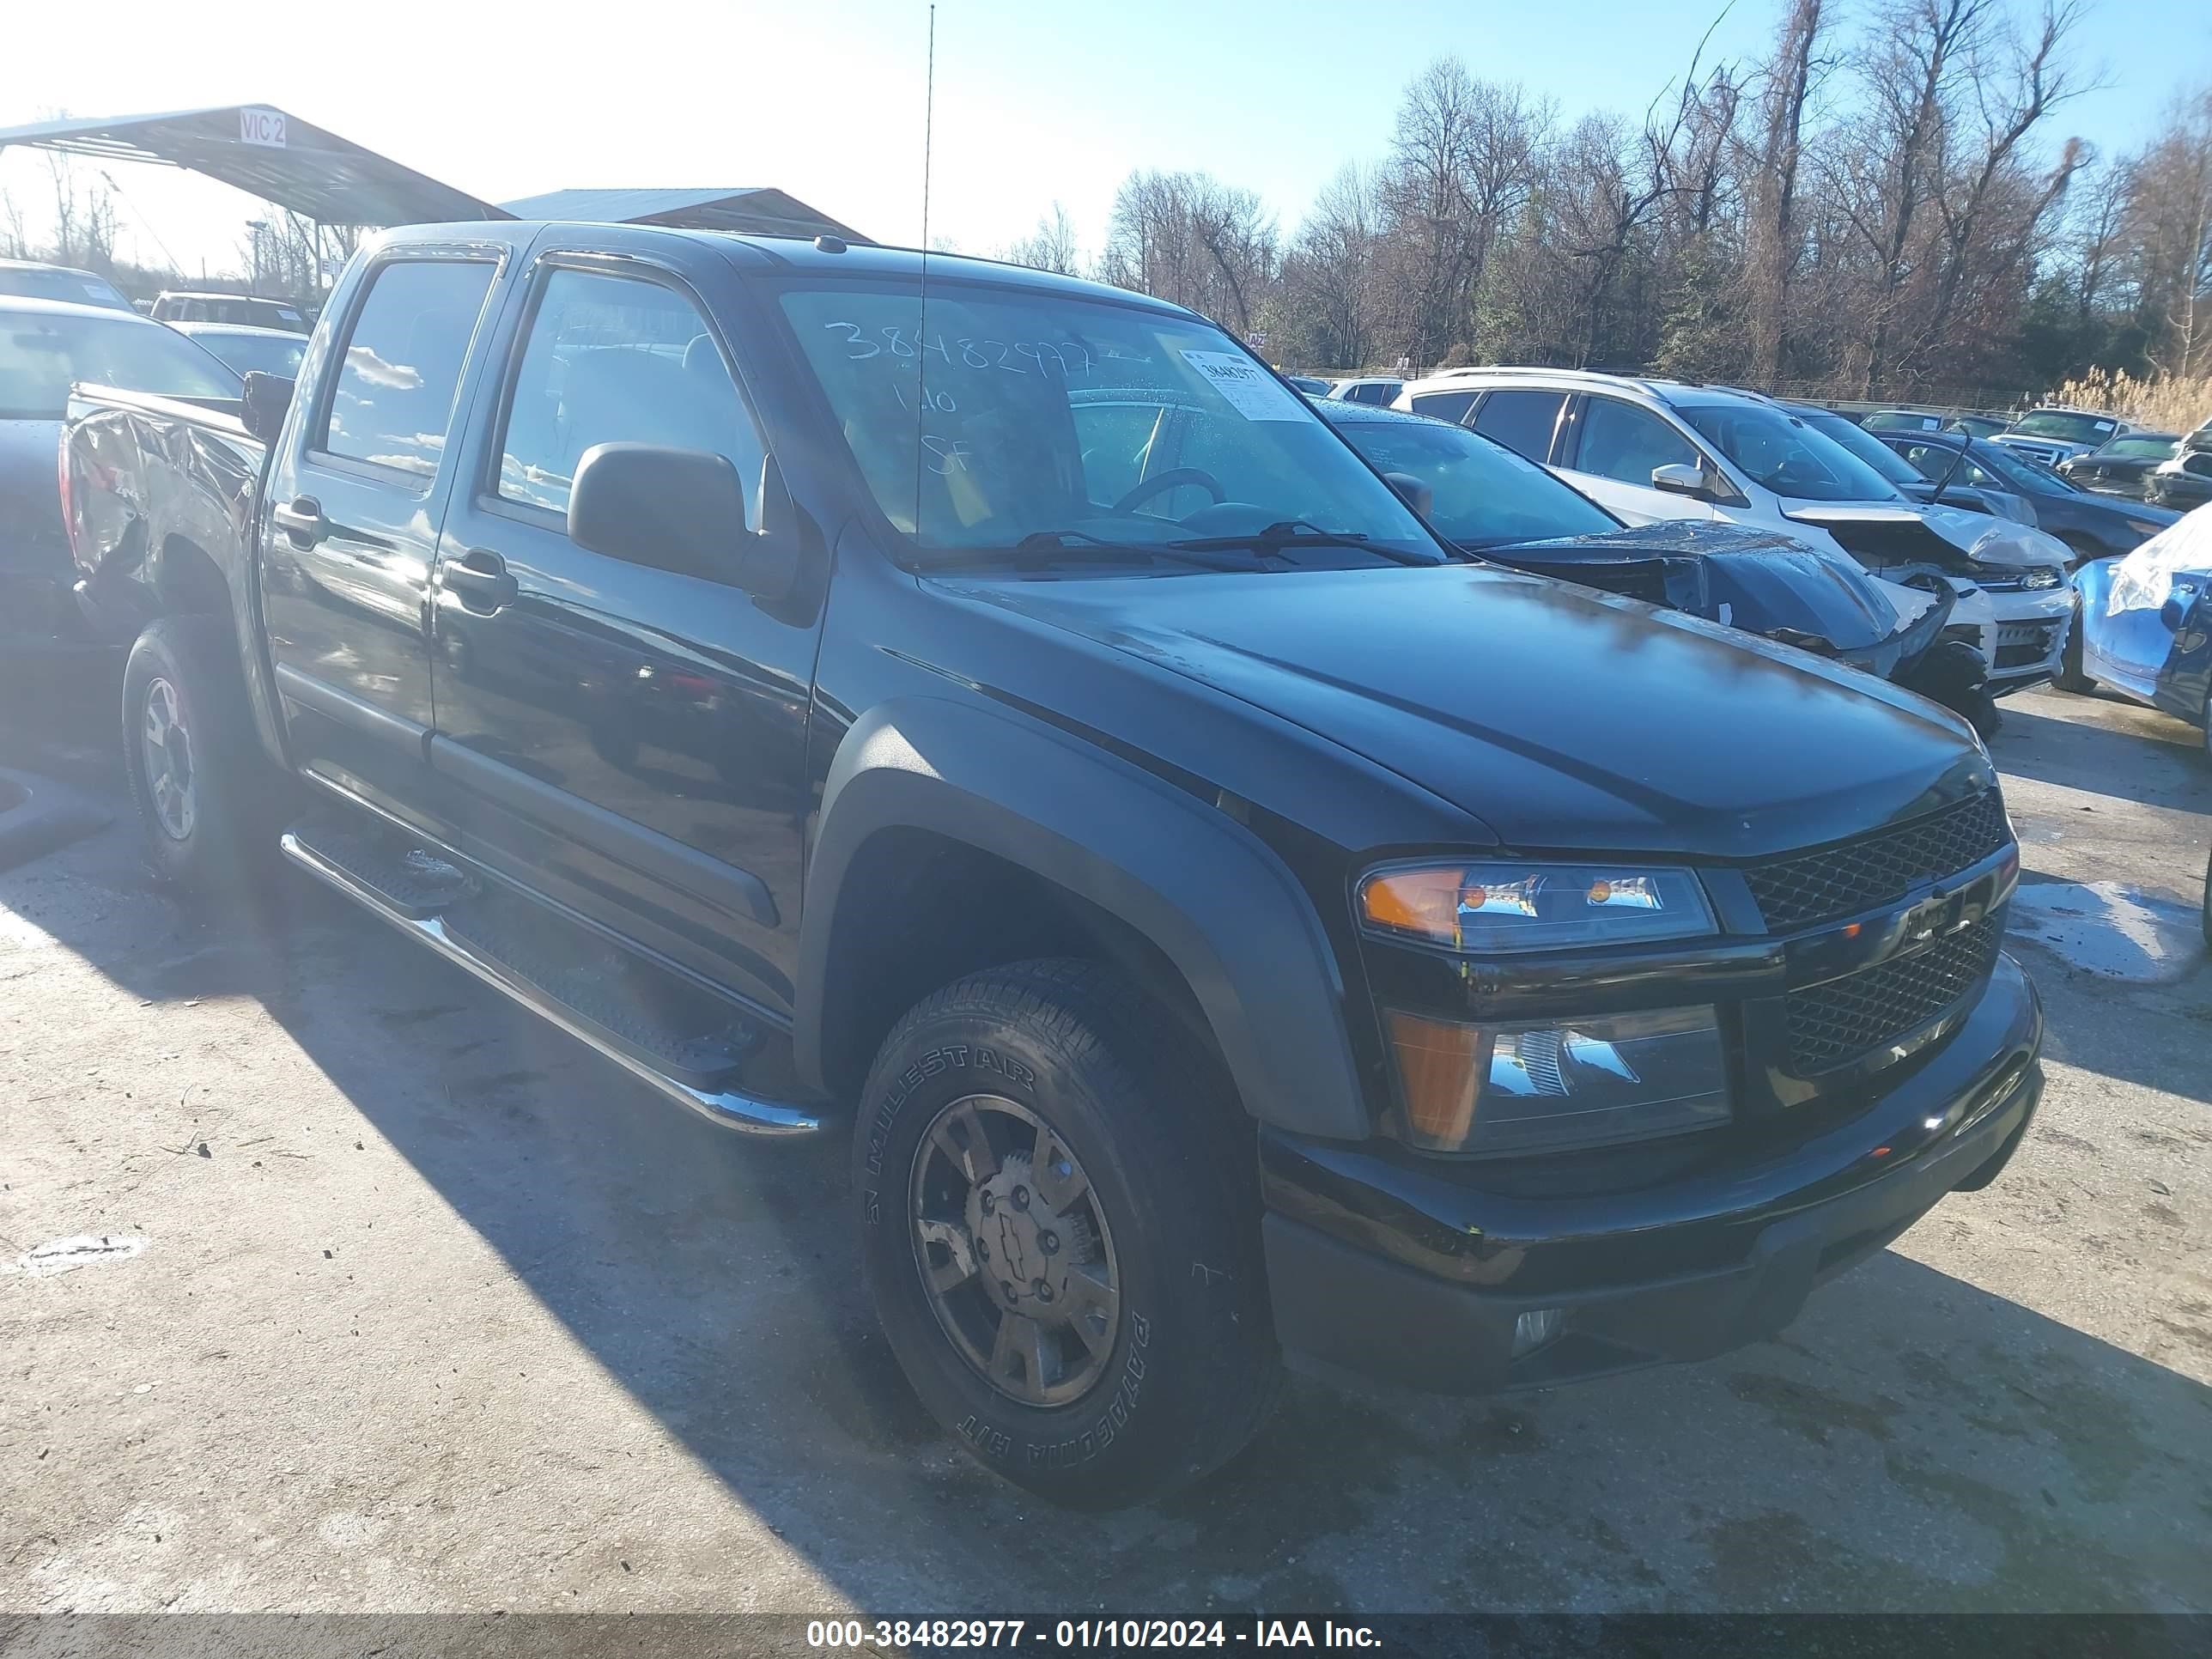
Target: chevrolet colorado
[[1230, 923]]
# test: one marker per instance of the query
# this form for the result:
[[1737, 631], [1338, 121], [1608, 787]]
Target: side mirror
[[266, 398], [679, 510], [1680, 479], [1415, 493], [2177, 607]]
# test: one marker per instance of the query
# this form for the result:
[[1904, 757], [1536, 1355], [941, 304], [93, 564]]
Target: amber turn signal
[[1423, 902], [1439, 1074]]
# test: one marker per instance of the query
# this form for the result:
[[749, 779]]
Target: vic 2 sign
[[265, 127]]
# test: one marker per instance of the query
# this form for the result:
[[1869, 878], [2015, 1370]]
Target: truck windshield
[[2066, 425], [1008, 418], [1482, 494], [43, 352]]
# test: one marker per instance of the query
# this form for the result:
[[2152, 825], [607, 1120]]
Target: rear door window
[[1444, 406], [393, 397], [1522, 421]]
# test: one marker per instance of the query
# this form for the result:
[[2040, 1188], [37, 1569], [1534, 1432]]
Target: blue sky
[[1034, 102]]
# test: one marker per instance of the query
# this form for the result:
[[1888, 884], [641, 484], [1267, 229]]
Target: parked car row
[[1232, 917], [1650, 450]]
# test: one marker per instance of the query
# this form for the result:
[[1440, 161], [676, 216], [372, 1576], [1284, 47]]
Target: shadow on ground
[[2152, 751]]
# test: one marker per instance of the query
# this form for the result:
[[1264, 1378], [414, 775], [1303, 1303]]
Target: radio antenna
[[921, 318]]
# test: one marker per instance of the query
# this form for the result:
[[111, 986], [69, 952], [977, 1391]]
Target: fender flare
[[1212, 896]]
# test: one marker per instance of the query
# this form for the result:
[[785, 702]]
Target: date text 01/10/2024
[[1083, 1633]]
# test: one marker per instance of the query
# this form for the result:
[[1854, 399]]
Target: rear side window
[[1931, 461], [617, 360], [393, 399], [1622, 441], [1443, 405], [1521, 420]]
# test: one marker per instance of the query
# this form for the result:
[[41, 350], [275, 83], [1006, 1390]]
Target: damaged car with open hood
[[1487, 501], [1648, 450]]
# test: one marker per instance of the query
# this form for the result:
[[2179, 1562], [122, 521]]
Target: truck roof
[[796, 253]]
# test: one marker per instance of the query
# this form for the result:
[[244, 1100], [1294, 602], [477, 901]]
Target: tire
[[216, 796], [2069, 676], [1067, 1060]]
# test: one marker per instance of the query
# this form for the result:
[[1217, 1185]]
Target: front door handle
[[480, 580], [301, 520]]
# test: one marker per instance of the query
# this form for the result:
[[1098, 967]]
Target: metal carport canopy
[[267, 153], [752, 209]]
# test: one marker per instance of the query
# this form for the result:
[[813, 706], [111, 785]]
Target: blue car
[[2146, 623]]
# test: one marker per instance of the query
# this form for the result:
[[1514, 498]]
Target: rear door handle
[[301, 519], [479, 578]]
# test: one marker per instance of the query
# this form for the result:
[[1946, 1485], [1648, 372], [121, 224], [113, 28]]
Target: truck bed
[[153, 486]]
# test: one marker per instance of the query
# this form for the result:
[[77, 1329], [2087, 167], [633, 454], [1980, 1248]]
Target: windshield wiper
[[1288, 534], [1042, 547]]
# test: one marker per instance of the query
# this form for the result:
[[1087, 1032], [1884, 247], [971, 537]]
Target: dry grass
[[2166, 403]]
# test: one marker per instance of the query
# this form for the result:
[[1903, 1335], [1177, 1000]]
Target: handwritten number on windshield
[[853, 338], [974, 354]]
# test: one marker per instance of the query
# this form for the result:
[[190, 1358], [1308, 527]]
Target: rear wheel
[[197, 776], [1060, 1228]]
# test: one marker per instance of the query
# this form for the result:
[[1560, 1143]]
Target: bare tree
[[1788, 81], [2009, 100], [1910, 66], [1050, 246], [1189, 238], [1463, 163]]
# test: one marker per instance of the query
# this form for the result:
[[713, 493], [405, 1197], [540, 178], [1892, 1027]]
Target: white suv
[[1658, 449]]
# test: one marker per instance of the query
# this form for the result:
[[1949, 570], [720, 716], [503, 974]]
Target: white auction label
[[1251, 391]]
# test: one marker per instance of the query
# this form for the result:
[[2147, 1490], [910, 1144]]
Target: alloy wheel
[[1014, 1251], [164, 749]]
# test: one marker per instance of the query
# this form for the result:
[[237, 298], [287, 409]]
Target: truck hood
[[1563, 719], [32, 543]]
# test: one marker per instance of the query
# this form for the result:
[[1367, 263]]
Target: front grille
[[2021, 645], [1859, 875], [1835, 1023]]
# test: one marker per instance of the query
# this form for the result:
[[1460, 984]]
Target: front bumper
[[2027, 638], [1390, 1267]]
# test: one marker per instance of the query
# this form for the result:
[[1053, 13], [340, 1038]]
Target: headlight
[[1541, 1088], [1511, 906]]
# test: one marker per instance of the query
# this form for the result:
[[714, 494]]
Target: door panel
[[351, 528], [629, 741]]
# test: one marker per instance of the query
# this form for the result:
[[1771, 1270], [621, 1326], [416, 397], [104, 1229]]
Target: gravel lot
[[408, 1303]]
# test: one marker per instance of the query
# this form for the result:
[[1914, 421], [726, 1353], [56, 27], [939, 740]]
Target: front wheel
[[1061, 1232], [2070, 676]]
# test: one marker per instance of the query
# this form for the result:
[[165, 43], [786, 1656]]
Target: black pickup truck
[[994, 714]]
